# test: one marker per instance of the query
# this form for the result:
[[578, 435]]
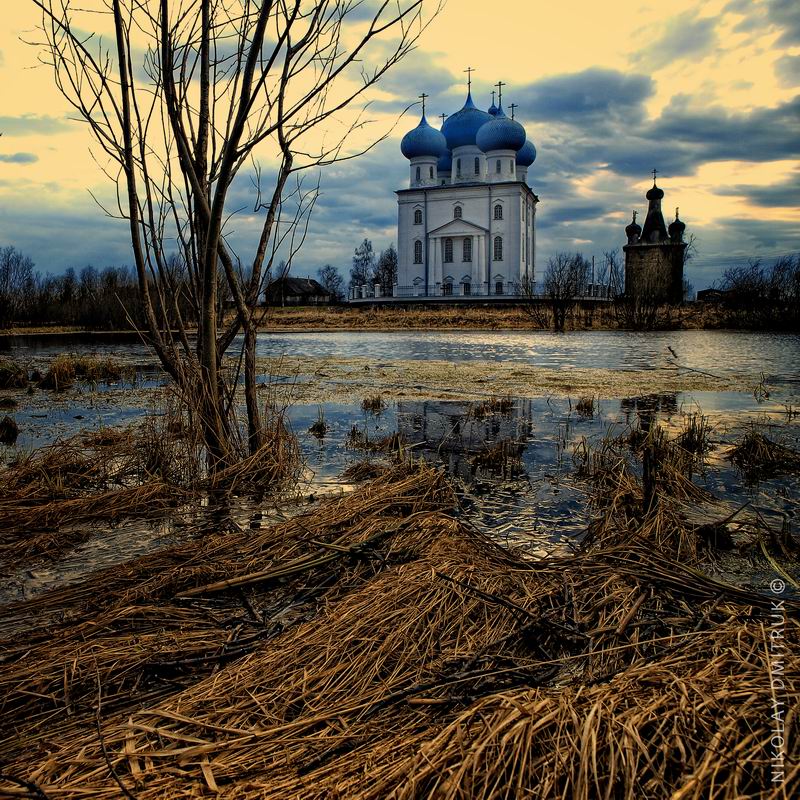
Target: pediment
[[458, 227]]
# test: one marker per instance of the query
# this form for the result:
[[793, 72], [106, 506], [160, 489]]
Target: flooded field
[[445, 537], [516, 463]]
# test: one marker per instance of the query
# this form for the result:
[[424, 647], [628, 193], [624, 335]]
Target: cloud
[[594, 94], [32, 125], [787, 71], [780, 195], [684, 36], [715, 134], [19, 158], [772, 15]]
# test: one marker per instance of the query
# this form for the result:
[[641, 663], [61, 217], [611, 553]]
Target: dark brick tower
[[654, 255]]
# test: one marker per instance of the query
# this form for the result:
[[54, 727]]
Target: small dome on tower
[[461, 128], [492, 108], [634, 230], [526, 154], [423, 141], [676, 228], [501, 133]]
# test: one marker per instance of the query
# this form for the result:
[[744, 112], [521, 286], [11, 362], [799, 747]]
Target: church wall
[[654, 272], [477, 207]]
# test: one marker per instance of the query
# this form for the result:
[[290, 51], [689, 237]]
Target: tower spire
[[423, 97], [512, 107]]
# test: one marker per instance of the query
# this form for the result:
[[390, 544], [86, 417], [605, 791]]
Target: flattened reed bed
[[382, 648]]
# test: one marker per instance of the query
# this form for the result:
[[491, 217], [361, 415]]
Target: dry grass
[[66, 369], [9, 430], [373, 404], [585, 407], [759, 457], [12, 375], [487, 408], [319, 428], [378, 647]]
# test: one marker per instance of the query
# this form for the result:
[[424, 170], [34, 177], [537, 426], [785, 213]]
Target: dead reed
[[759, 457], [66, 369], [319, 428], [374, 404], [9, 430], [585, 407], [12, 375], [494, 405]]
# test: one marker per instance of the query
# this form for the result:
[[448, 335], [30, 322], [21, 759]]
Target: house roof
[[298, 286]]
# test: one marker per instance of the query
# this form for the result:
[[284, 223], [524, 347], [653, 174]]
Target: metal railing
[[497, 290]]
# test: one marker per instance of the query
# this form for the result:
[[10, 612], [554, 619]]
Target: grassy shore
[[308, 318]]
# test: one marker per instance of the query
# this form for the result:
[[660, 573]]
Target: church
[[466, 222]]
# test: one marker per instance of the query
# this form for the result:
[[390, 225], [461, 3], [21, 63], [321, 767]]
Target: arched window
[[498, 248], [447, 288], [497, 166], [418, 173], [467, 249], [498, 211], [418, 216], [511, 166], [458, 167], [477, 165], [498, 287], [448, 251], [457, 212], [430, 172], [418, 252], [467, 288]]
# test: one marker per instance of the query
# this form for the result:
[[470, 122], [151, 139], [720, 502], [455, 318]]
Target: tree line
[[104, 299]]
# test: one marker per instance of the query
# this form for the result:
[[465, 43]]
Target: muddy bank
[[338, 379]]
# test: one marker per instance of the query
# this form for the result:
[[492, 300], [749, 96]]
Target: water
[[723, 353]]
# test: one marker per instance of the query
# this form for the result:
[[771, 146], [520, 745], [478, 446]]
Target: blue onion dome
[[526, 155], [655, 193], [461, 128], [493, 109], [445, 162], [676, 227], [501, 133], [423, 141], [634, 229]]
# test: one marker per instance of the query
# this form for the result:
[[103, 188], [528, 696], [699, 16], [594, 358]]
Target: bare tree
[[16, 283], [189, 93], [564, 281], [332, 281]]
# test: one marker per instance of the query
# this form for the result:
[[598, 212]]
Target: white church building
[[466, 223]]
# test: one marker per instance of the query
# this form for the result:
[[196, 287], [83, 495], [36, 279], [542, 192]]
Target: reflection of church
[[466, 222]]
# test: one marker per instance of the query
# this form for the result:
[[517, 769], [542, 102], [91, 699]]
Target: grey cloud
[[19, 158], [595, 94], [32, 124], [779, 195], [684, 36], [787, 71]]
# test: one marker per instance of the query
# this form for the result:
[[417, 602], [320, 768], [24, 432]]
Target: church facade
[[466, 223]]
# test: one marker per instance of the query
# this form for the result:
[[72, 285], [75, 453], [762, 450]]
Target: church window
[[498, 211], [448, 251], [497, 166], [477, 165], [467, 288], [498, 248], [447, 289], [418, 216], [498, 287], [511, 166], [418, 252], [458, 167], [418, 173], [467, 252], [430, 172], [457, 212]]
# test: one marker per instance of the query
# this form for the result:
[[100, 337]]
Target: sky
[[707, 93]]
